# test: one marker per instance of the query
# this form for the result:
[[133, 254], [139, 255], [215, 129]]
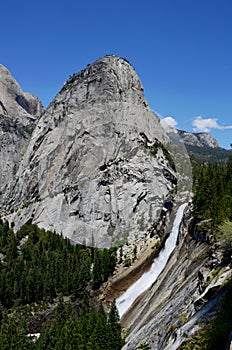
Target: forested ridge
[[213, 191], [209, 154], [91, 329], [37, 267]]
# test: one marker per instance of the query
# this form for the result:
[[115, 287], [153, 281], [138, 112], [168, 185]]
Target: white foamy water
[[148, 278]]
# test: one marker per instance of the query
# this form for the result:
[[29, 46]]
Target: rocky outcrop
[[201, 139], [18, 114], [186, 294], [14, 138], [94, 168], [14, 103]]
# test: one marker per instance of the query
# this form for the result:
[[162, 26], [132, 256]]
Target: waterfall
[[125, 301]]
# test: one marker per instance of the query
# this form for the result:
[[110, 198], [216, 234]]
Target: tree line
[[93, 329], [47, 264], [37, 266], [213, 189]]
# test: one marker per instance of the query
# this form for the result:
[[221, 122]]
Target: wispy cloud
[[200, 124], [168, 122]]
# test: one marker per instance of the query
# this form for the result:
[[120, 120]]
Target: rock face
[[14, 103], [201, 139], [186, 293], [18, 114], [94, 169]]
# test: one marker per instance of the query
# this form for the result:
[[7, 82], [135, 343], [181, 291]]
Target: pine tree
[[115, 339], [99, 338], [97, 270]]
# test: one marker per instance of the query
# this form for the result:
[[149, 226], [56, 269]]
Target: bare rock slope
[[184, 297], [94, 169], [18, 113], [200, 139]]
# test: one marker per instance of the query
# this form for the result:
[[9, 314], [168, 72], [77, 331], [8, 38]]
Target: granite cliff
[[200, 139], [204, 146], [185, 295], [95, 168], [19, 112]]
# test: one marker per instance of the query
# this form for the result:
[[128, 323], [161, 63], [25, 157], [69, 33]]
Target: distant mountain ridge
[[16, 104], [19, 112], [204, 146], [201, 139]]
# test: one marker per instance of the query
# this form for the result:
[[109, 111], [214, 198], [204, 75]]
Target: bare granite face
[[200, 139], [184, 297], [94, 169], [14, 103], [18, 114]]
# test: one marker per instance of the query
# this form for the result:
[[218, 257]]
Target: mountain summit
[[94, 168], [109, 79], [200, 139]]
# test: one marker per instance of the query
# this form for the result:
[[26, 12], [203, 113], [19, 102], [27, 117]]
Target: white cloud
[[168, 122], [205, 125]]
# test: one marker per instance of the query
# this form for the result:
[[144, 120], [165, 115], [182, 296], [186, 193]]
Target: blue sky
[[181, 50]]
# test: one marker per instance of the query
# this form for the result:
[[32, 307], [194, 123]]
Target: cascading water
[[125, 301]]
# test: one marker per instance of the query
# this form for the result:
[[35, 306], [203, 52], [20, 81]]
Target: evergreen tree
[[13, 337], [99, 339], [213, 188], [44, 266], [115, 340], [97, 270]]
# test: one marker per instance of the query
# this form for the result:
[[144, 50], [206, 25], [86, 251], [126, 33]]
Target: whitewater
[[125, 301]]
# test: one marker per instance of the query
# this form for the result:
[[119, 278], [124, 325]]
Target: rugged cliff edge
[[200, 139], [18, 114]]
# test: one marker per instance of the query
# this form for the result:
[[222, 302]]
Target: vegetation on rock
[[215, 335]]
